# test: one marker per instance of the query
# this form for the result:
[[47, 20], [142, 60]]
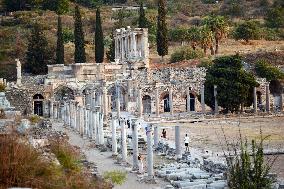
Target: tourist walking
[[140, 165], [186, 142], [164, 134]]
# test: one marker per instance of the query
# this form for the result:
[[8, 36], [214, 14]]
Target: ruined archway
[[191, 102], [166, 102], [146, 101], [112, 91], [38, 104], [64, 93]]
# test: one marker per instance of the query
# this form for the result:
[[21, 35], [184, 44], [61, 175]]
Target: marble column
[[116, 48], [86, 122], [281, 103], [150, 167], [123, 140], [75, 115], [140, 106], [135, 144], [118, 101], [156, 136], [105, 103], [101, 129], [71, 109], [171, 100], [51, 104], [97, 125], [55, 112], [267, 92], [78, 118], [254, 100], [62, 112], [177, 142], [202, 100], [157, 102], [82, 120], [187, 100], [19, 72], [216, 110], [113, 132]]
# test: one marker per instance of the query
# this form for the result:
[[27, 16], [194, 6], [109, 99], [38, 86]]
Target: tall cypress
[[60, 45], [37, 52], [162, 31], [80, 55], [111, 50], [99, 39], [142, 21]]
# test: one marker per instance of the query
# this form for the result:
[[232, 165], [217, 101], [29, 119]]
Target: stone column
[[75, 115], [134, 45], [156, 136], [254, 100], [105, 103], [157, 102], [150, 166], [135, 144], [123, 140], [281, 102], [118, 101], [51, 109], [116, 48], [78, 118], [101, 129], [177, 141], [55, 112], [86, 122], [140, 106], [113, 132], [97, 124], [19, 72], [202, 100], [171, 100], [267, 92], [216, 111], [82, 121], [187, 100], [71, 110], [68, 114]]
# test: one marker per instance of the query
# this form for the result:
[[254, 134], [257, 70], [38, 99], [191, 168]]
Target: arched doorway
[[64, 93], [113, 96], [146, 101], [166, 102], [258, 97], [38, 104], [191, 102]]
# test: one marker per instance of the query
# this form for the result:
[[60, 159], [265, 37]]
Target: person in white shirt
[[186, 142]]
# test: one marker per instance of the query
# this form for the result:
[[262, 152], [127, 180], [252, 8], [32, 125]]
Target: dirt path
[[104, 161]]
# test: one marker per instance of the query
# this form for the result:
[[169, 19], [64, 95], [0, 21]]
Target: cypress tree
[[111, 51], [37, 53], [142, 21], [99, 39], [60, 45], [80, 56], [162, 31]]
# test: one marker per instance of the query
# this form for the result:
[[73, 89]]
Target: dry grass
[[23, 166]]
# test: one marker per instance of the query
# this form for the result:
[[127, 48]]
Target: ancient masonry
[[128, 84]]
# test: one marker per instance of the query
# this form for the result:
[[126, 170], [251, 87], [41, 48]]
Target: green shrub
[[265, 70], [271, 34], [205, 62], [34, 119], [116, 177], [2, 87], [247, 30], [68, 35], [186, 53]]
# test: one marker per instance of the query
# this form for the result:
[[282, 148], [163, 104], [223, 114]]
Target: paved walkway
[[104, 161]]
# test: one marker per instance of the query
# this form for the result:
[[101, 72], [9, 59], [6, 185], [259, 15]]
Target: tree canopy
[[37, 53], [247, 30], [60, 43], [80, 55], [162, 30], [99, 39], [265, 70], [234, 84]]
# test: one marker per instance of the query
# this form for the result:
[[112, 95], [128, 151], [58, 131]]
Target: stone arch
[[63, 93], [165, 98], [112, 92], [38, 100], [146, 101]]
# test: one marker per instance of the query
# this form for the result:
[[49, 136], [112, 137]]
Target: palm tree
[[206, 38], [219, 26], [193, 35]]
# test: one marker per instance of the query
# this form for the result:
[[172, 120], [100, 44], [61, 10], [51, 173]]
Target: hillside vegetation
[[15, 26]]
